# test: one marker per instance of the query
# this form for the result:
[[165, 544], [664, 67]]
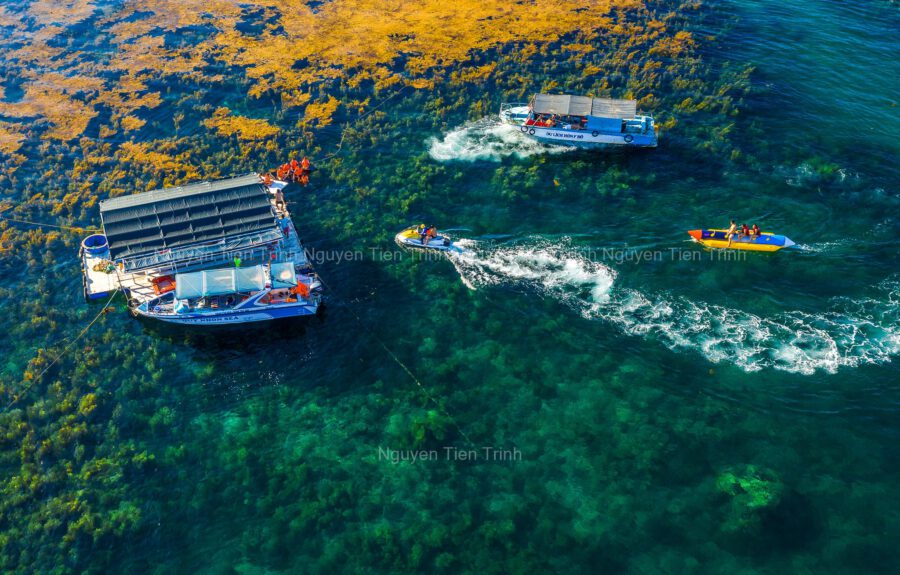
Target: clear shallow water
[[676, 412]]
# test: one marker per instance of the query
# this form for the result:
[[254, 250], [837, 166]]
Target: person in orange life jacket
[[304, 164], [745, 231], [430, 234], [755, 231]]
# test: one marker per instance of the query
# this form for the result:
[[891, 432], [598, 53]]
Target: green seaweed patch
[[750, 492]]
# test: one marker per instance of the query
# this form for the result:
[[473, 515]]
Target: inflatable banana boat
[[764, 242]]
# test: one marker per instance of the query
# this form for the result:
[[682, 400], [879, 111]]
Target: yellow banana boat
[[764, 242]]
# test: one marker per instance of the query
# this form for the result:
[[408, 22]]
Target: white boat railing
[[209, 252]]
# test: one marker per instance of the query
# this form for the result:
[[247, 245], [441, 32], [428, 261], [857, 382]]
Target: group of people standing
[[294, 171]]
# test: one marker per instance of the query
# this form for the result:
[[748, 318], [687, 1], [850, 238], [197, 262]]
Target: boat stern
[[515, 113]]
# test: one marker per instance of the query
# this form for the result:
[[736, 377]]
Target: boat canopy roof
[[186, 216], [219, 282], [283, 275], [567, 105]]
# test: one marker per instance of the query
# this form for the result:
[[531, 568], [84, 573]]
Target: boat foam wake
[[487, 139], [853, 332]]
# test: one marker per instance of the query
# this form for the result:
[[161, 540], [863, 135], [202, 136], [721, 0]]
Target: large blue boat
[[581, 121], [212, 253]]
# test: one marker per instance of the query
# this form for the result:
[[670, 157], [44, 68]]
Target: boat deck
[[98, 284]]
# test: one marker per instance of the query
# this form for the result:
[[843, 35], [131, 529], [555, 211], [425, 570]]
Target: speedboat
[[764, 242], [411, 237]]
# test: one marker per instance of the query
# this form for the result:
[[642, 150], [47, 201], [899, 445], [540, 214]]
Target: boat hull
[[587, 139], [232, 317], [765, 242]]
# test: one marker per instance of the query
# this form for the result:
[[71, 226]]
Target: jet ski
[[411, 237]]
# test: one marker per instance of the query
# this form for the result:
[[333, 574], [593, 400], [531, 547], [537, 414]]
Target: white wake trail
[[852, 332], [487, 140]]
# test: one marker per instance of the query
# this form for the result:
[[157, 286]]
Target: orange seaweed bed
[[293, 50]]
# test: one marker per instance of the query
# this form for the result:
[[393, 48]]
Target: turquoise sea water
[[664, 409]]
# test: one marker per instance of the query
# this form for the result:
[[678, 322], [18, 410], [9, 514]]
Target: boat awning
[[197, 214], [283, 275], [609, 108], [219, 282], [566, 105], [561, 104]]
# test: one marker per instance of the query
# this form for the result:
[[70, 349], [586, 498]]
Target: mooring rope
[[17, 396], [405, 368], [73, 228], [355, 120]]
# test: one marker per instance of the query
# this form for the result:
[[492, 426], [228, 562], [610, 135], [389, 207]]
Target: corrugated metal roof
[[178, 217], [177, 192], [566, 105]]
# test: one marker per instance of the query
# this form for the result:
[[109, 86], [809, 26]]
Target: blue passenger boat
[[581, 121], [223, 252]]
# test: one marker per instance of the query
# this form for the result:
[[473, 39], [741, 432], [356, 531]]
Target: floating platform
[[98, 272], [221, 252]]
